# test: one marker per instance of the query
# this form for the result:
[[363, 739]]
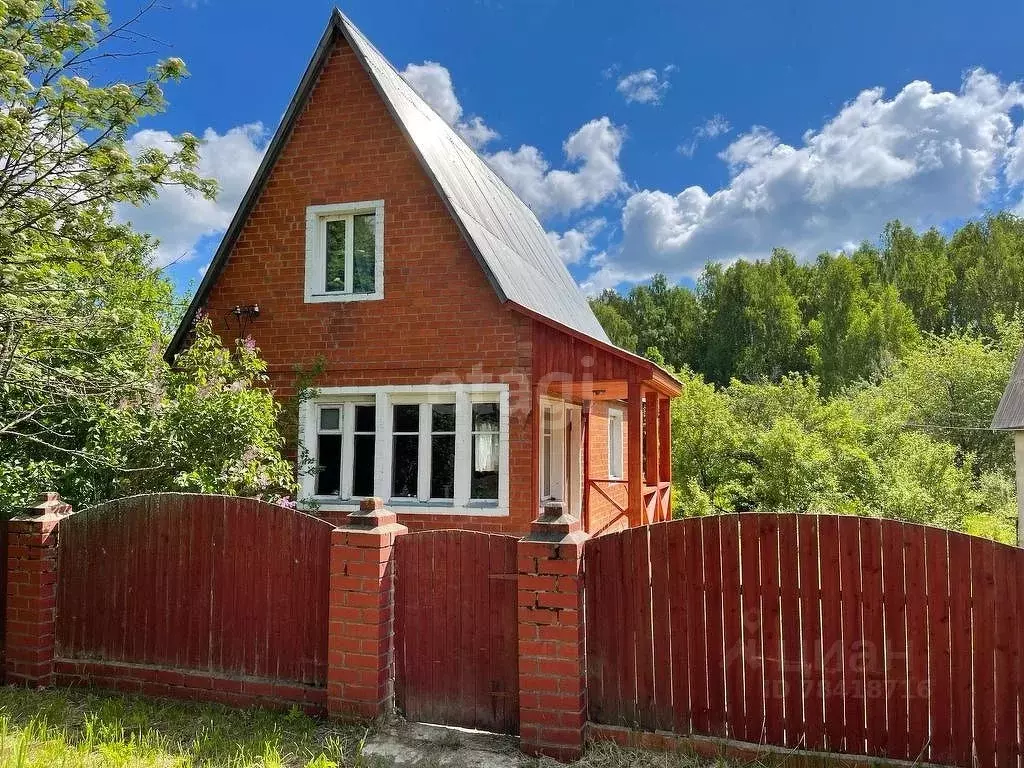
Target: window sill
[[330, 298], [411, 507]]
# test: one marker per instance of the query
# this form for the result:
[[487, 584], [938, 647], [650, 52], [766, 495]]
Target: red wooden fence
[[846, 634], [221, 585], [456, 639]]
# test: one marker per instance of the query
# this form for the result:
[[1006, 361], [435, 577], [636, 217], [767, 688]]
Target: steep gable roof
[[509, 242]]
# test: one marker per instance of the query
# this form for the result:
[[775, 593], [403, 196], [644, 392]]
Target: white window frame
[[616, 433], [317, 217], [384, 397], [346, 428]]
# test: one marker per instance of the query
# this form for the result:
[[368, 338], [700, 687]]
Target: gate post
[[360, 639], [31, 598], [552, 675]]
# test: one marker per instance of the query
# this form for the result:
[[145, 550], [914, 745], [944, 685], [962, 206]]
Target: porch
[[607, 411]]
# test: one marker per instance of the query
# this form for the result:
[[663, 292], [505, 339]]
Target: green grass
[[68, 728], [79, 728]]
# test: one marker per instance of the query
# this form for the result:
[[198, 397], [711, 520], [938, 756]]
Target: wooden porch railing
[[657, 499], [657, 502]]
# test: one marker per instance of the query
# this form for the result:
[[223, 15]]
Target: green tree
[[619, 330], [64, 264], [987, 261], [87, 405], [753, 328], [918, 267], [858, 330]]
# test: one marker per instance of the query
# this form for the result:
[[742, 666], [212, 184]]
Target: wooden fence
[[210, 584], [846, 634]]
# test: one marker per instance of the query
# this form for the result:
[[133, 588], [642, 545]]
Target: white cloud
[[711, 128], [573, 244], [595, 148], [645, 86], [179, 219], [923, 156], [433, 82]]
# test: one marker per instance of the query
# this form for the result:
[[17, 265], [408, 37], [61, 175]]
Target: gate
[[456, 633]]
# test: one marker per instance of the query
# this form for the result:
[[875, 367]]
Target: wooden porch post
[[634, 459], [665, 451], [653, 439]]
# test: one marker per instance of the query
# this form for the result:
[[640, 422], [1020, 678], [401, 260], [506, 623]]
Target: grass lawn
[[72, 728]]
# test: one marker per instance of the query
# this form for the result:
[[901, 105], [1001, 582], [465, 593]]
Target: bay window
[[429, 449]]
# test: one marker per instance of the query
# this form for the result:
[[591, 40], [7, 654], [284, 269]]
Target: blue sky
[[701, 130]]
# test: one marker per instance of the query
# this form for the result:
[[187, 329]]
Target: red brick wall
[[440, 316], [604, 517]]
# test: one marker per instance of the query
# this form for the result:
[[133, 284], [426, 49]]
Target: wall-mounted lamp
[[242, 316]]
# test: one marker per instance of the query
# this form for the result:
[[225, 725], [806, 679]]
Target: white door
[[561, 454]]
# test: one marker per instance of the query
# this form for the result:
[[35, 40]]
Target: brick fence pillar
[[31, 600], [552, 675], [360, 642]]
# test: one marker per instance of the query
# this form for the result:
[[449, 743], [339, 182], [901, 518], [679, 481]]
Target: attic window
[[345, 252]]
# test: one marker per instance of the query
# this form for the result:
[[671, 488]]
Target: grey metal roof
[[509, 242], [1010, 413]]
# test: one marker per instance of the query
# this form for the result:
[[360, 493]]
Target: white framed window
[[345, 252], [345, 448], [615, 430], [422, 448]]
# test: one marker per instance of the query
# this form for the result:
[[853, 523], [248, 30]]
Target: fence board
[[158, 580], [873, 656], [711, 537], [660, 581], [983, 624], [789, 610], [678, 622], [850, 652], [961, 680], [641, 569], [894, 662], [810, 636], [697, 653], [832, 670], [917, 651], [1006, 682], [598, 628], [940, 686], [770, 635], [732, 617], [1019, 656]]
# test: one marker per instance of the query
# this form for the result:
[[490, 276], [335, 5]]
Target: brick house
[[466, 379]]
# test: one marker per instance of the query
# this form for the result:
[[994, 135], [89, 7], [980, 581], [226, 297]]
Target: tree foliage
[[87, 404], [860, 382], [842, 317]]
